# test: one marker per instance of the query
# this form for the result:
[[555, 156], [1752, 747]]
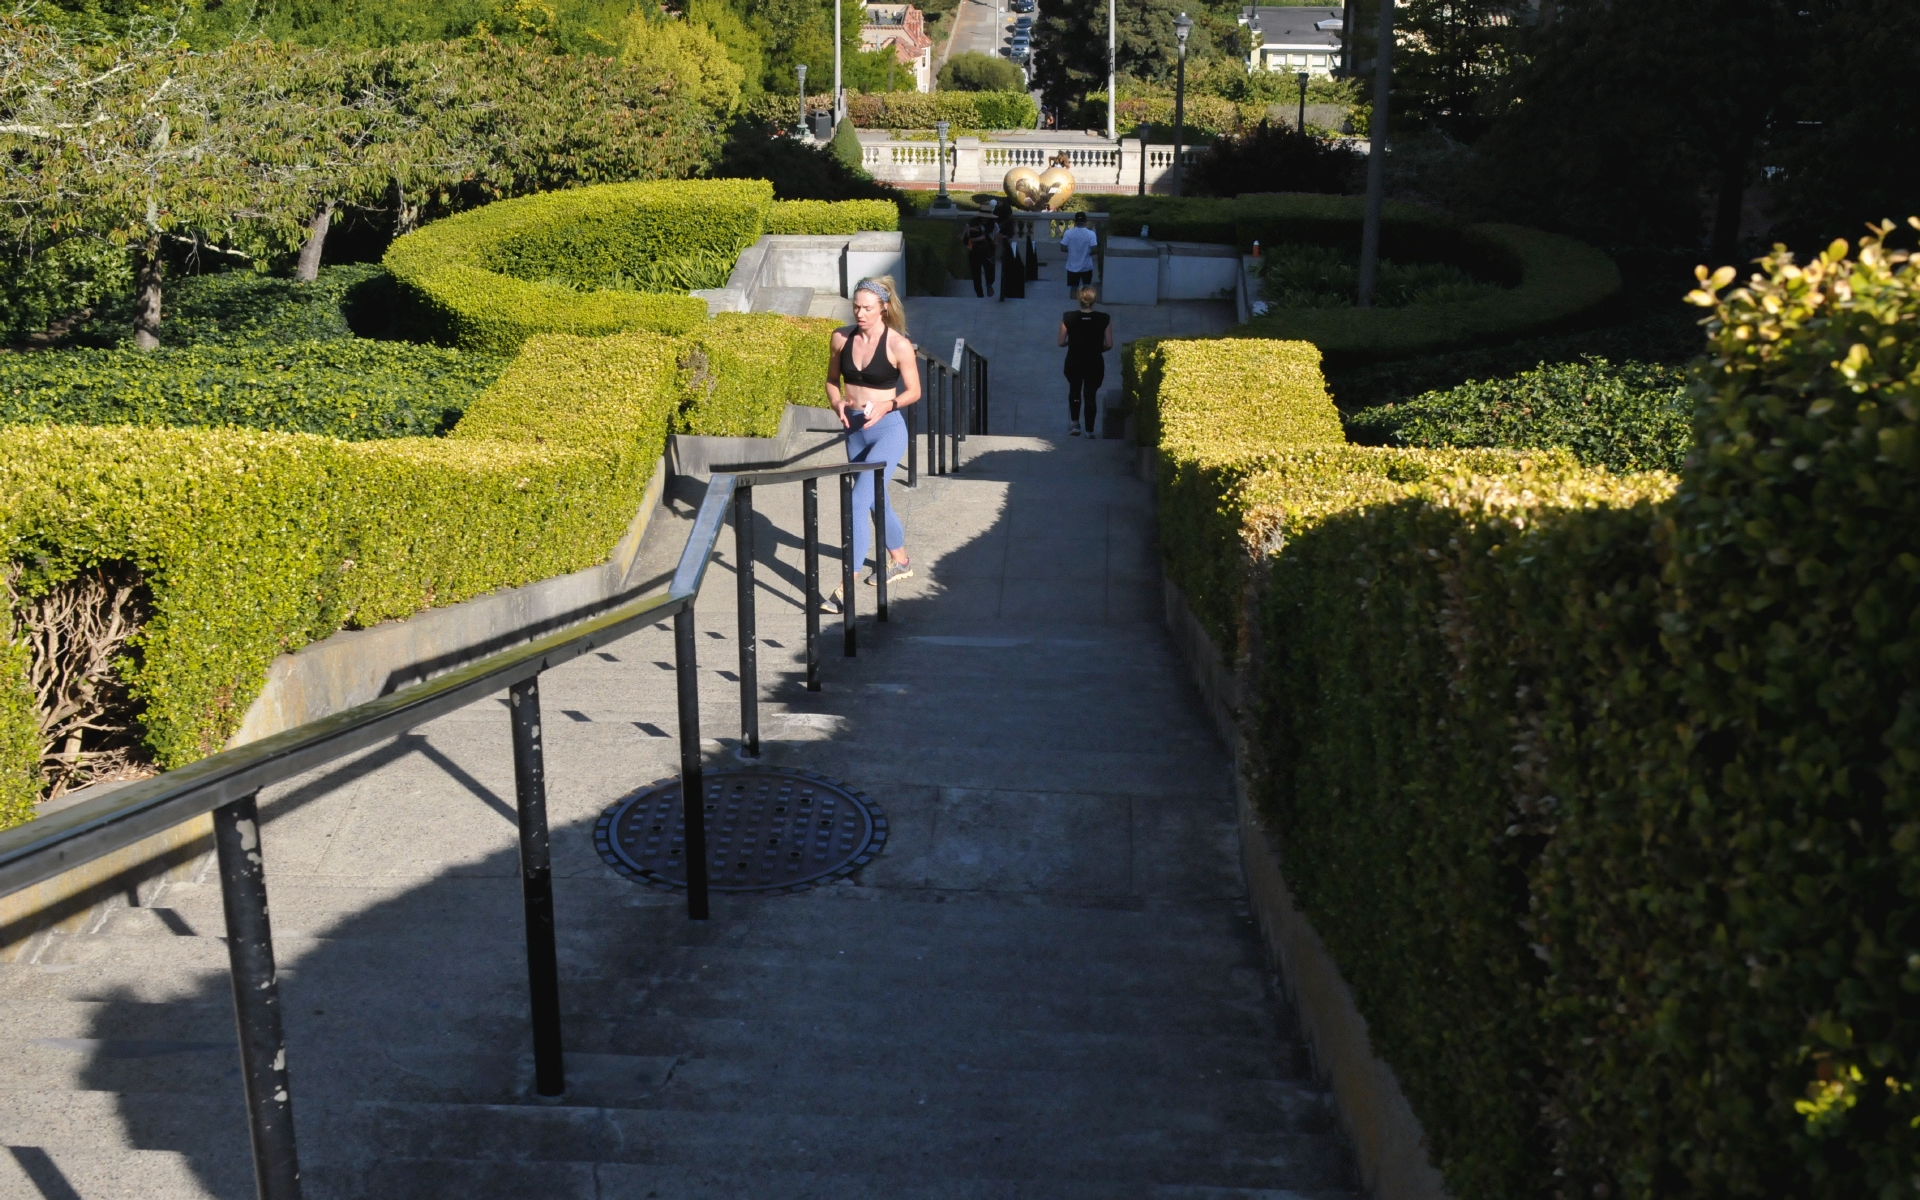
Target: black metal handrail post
[[849, 570], [810, 518], [256, 998], [748, 635], [536, 886], [883, 557], [693, 783]]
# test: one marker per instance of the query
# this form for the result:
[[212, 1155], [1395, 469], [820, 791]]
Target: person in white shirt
[[1079, 243]]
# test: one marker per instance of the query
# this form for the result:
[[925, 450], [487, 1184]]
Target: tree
[[134, 140], [973, 71], [1070, 45], [686, 52], [1273, 158]]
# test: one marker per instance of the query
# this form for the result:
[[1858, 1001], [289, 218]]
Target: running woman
[[1087, 335], [871, 376]]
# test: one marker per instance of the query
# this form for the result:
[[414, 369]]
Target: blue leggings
[[885, 439]]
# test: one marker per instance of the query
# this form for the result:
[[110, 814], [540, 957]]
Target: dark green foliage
[[1669, 337], [1297, 276], [1273, 158], [1633, 417], [973, 71], [59, 281], [845, 149], [756, 149], [352, 389], [242, 308]]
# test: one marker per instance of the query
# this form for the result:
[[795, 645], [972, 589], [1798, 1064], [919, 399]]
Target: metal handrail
[[955, 399], [227, 784]]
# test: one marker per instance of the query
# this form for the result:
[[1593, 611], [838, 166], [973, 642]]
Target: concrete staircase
[[1047, 987]]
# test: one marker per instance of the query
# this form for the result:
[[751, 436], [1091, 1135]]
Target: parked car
[[1021, 50], [1022, 6], [1022, 26]]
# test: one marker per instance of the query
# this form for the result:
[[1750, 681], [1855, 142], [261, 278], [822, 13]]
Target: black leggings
[[1083, 385]]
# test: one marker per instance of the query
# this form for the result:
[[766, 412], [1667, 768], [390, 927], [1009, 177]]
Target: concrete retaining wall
[[1388, 1140]]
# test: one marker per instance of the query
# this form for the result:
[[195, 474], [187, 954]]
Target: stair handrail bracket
[[227, 784]]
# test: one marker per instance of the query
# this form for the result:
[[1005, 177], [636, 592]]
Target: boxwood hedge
[[596, 260], [255, 543], [1632, 417], [1547, 279], [352, 389], [1601, 789]]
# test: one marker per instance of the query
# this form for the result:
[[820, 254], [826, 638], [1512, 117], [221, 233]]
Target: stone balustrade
[[975, 163]]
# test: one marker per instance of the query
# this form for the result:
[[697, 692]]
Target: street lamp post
[[1182, 26], [1113, 98], [836, 62], [800, 69], [942, 202], [1302, 126]]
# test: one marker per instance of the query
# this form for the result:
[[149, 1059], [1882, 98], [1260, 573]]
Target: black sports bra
[[879, 372]]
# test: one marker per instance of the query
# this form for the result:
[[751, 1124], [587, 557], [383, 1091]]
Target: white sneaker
[[1073, 430]]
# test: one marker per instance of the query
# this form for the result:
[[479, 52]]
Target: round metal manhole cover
[[768, 830]]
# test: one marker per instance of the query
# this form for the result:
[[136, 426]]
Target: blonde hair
[[1088, 294], [885, 290]]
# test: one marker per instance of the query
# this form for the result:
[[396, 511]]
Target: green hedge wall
[[352, 389], [832, 216], [1601, 789], [257, 543], [597, 260], [1548, 279], [739, 372], [19, 728], [919, 110], [1633, 417]]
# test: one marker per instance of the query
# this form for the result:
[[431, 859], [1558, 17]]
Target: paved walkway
[[1046, 988]]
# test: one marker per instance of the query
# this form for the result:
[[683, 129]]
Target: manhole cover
[[768, 830]]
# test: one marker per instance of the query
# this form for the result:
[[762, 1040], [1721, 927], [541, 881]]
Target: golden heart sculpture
[[1056, 185], [1023, 188]]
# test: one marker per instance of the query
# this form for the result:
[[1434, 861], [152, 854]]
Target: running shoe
[[896, 571], [832, 603]]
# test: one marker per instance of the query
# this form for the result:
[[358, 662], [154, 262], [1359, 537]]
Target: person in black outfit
[[1087, 335], [980, 252], [1013, 273]]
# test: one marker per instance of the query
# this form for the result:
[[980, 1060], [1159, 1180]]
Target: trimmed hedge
[[1548, 279], [962, 110], [739, 372], [597, 260], [1634, 417], [350, 389], [494, 276], [833, 216], [1557, 279], [1602, 789], [19, 728], [256, 543]]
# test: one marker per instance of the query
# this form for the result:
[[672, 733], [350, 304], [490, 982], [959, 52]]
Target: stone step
[[97, 1172], [437, 1179], [901, 1146]]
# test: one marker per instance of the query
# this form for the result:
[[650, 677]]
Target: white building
[[1293, 40]]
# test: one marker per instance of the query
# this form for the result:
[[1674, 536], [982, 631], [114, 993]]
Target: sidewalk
[[1046, 987]]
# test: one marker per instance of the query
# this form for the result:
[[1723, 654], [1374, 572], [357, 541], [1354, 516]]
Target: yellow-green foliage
[[833, 216], [19, 729], [598, 260], [1423, 668], [255, 544], [739, 371], [1602, 790]]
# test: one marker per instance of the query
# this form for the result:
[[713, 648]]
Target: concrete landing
[[1046, 987]]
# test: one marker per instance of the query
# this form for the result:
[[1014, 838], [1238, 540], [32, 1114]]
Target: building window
[[1319, 60]]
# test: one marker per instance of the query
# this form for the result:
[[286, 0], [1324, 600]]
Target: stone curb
[[1388, 1141]]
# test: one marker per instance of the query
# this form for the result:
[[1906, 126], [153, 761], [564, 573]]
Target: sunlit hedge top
[[598, 260]]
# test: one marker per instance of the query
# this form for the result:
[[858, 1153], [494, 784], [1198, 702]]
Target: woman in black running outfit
[[1087, 335]]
